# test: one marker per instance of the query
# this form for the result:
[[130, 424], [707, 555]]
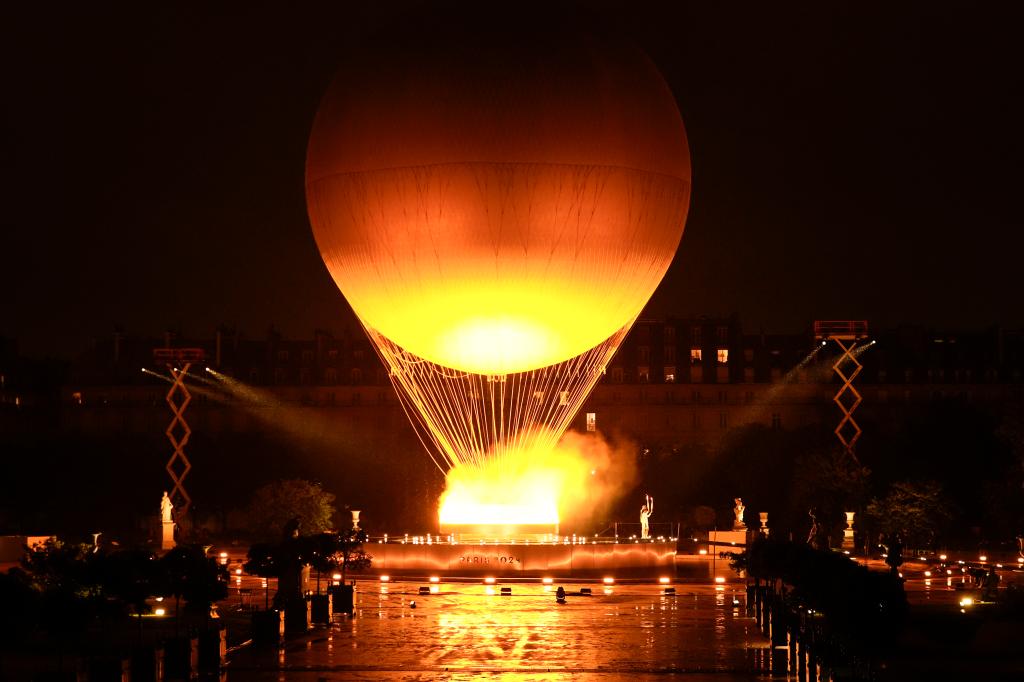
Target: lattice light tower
[[846, 334], [179, 361]]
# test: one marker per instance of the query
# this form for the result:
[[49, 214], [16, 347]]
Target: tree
[[830, 483], [275, 504], [914, 511]]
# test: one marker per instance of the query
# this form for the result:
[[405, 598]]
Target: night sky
[[854, 160]]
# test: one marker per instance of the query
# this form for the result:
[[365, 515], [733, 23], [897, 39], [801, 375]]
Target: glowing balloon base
[[485, 502]]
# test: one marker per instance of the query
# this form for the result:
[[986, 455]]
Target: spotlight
[[160, 611], [927, 574], [385, 578], [238, 571], [434, 579], [983, 558], [547, 581], [663, 580], [609, 581], [719, 579], [489, 580], [143, 370], [967, 601], [942, 557], [336, 576]]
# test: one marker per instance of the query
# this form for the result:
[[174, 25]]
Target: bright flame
[[542, 487]]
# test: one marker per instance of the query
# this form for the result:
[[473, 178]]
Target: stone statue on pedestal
[[738, 513], [166, 523], [166, 507]]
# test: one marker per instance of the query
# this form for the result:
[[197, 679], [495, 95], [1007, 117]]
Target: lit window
[[723, 356], [591, 421], [695, 356], [670, 375]]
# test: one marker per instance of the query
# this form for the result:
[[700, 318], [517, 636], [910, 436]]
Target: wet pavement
[[469, 631]]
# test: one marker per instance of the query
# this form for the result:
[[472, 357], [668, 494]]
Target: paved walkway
[[469, 631]]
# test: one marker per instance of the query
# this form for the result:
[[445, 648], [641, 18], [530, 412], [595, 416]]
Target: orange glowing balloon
[[498, 200]]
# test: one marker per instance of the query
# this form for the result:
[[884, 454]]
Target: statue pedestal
[[167, 537], [848, 531]]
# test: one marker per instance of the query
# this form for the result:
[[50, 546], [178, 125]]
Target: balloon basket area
[[520, 557]]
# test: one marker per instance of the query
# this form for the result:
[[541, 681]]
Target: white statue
[[645, 514], [738, 513], [166, 507]]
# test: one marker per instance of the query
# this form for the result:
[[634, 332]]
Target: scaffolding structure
[[846, 334], [178, 362]]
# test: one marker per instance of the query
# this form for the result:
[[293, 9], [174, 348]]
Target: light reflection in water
[[463, 632]]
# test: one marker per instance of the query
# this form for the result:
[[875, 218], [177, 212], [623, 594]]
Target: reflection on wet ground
[[470, 631]]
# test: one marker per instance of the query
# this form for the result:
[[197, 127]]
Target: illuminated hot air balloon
[[497, 202]]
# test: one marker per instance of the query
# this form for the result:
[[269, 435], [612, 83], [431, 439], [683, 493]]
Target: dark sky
[[850, 160]]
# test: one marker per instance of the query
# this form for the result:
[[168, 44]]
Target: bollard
[[181, 658], [297, 617], [321, 608], [268, 627], [148, 663], [213, 649], [344, 598]]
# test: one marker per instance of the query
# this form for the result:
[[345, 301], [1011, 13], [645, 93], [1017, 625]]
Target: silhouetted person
[[560, 595], [894, 557], [991, 583]]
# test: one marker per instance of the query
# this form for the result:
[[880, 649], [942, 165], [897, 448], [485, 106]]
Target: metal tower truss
[[846, 367], [179, 361], [847, 405]]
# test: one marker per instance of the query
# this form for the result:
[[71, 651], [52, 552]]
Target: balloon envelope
[[498, 200]]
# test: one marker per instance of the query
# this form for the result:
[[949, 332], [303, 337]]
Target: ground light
[[385, 578], [608, 581], [719, 579], [547, 581], [664, 580], [489, 580], [435, 579]]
